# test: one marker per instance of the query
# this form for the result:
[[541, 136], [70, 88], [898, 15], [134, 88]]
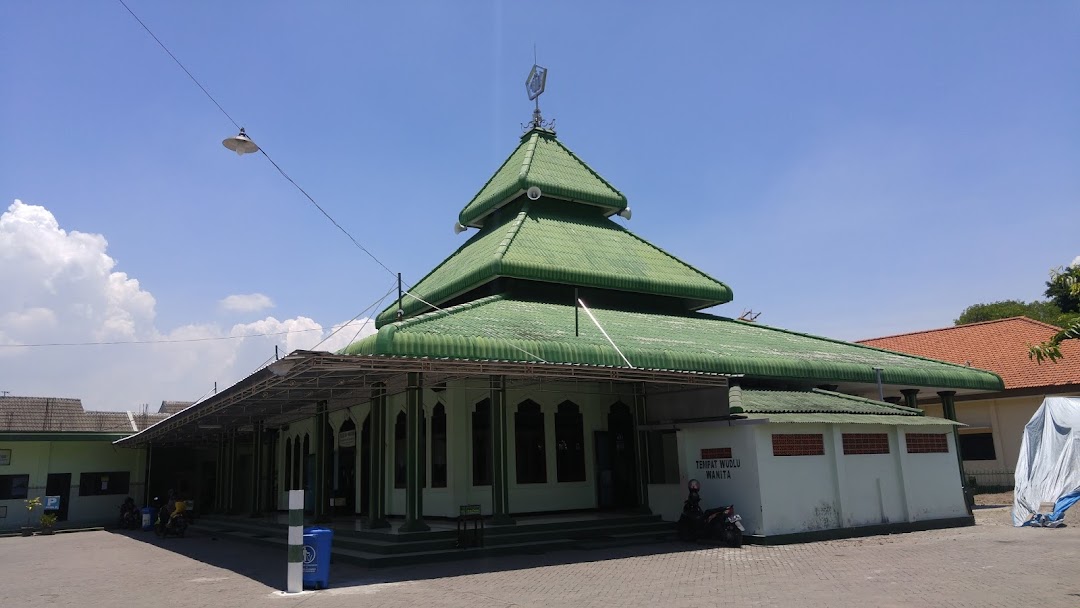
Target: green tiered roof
[[528, 253], [556, 243], [542, 161], [497, 328]]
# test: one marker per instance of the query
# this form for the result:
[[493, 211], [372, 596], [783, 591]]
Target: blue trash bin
[[147, 519], [317, 543]]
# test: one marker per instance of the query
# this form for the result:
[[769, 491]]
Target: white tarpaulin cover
[[1049, 466]]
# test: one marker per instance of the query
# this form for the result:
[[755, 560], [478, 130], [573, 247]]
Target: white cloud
[[62, 286], [250, 302], [1076, 261]]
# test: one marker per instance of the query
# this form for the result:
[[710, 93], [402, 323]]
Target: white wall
[[723, 481], [798, 493], [933, 480]]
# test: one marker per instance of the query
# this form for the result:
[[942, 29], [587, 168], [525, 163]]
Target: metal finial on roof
[[534, 87]]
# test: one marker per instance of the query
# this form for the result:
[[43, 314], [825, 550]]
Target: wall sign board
[[5, 458]]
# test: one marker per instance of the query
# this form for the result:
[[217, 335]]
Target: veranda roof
[[499, 328], [289, 389]]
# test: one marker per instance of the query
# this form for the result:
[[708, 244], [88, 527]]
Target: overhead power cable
[[261, 147], [293, 182]]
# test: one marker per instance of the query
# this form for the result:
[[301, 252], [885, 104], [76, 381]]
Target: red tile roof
[[999, 346]]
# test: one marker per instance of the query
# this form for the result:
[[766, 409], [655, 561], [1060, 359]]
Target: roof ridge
[[895, 406], [427, 316], [674, 257], [952, 327], [589, 168], [514, 228], [476, 237]]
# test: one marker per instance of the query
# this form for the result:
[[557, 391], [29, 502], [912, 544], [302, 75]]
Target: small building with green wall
[[53, 447]]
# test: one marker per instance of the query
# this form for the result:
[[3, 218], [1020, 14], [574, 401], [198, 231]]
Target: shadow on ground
[[267, 565]]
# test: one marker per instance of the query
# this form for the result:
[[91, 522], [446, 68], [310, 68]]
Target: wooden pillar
[[948, 408], [377, 461], [414, 492], [641, 454], [322, 494], [500, 474]]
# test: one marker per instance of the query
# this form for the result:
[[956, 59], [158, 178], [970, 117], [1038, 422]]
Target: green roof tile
[[817, 406], [554, 242], [541, 160], [816, 401], [496, 328]]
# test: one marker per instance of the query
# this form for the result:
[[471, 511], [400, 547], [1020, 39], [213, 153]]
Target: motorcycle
[[721, 523], [169, 525], [130, 517]]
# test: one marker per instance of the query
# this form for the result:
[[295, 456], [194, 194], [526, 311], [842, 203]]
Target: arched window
[[530, 443], [481, 444], [569, 443], [438, 446], [400, 446], [288, 464]]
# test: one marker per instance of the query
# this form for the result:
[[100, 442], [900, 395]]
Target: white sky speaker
[[533, 193]]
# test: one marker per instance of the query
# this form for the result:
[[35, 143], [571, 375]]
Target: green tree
[[1047, 312], [1064, 289]]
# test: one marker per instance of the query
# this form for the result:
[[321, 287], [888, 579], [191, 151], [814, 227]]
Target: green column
[[500, 474], [377, 461], [230, 465], [414, 493], [948, 408], [219, 480], [256, 468], [322, 494], [911, 397], [641, 454]]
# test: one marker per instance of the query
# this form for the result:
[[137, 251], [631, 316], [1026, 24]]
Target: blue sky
[[849, 169]]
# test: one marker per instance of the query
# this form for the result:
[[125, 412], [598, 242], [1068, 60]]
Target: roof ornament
[[534, 87]]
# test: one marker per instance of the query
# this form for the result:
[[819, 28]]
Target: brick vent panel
[[927, 443], [866, 443], [798, 444], [715, 453]]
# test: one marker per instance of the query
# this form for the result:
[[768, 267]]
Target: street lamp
[[240, 143]]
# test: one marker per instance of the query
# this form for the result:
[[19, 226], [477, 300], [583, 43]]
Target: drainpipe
[[880, 389]]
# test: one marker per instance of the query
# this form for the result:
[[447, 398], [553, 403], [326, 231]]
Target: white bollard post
[[295, 580]]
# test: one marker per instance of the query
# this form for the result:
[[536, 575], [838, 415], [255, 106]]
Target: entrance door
[[346, 481], [622, 449], [59, 484]]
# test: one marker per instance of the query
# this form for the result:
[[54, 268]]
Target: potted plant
[[31, 504], [48, 520]]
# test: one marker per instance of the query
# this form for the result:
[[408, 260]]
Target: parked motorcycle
[[721, 523], [130, 517], [170, 525]]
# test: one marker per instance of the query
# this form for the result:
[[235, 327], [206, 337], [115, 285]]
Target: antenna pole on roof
[[576, 309], [276, 353], [215, 387], [400, 312], [4, 393]]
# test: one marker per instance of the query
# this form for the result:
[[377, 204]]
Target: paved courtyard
[[989, 565]]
